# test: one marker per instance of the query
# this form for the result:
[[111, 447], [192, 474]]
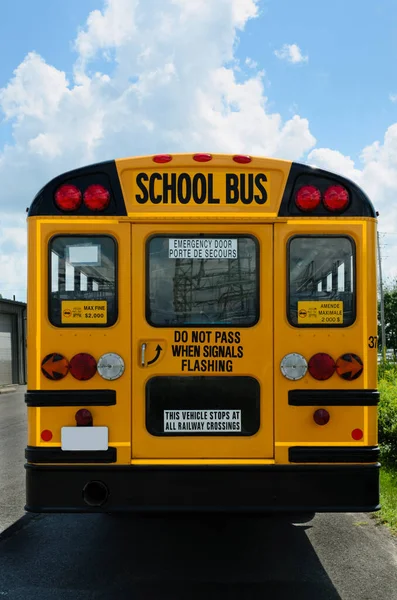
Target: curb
[[6, 389]]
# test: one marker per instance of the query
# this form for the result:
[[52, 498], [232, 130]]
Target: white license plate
[[84, 438]]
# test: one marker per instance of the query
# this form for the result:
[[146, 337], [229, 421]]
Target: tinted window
[[83, 281], [202, 281], [321, 281]]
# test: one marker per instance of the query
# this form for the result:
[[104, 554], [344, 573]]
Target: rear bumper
[[267, 488]]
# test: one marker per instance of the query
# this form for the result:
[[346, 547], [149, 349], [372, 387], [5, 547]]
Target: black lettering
[[152, 182], [199, 182], [211, 199], [169, 187], [260, 199], [232, 193], [140, 178], [237, 337], [184, 195], [246, 190]]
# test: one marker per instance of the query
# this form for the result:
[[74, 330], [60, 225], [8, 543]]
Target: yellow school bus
[[202, 335]]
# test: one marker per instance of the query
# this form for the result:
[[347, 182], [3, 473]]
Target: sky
[[85, 81]]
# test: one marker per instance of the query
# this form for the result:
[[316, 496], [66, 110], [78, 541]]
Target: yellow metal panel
[[296, 422], [45, 338], [186, 188], [256, 361]]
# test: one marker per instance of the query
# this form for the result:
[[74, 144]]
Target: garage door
[[5, 349]]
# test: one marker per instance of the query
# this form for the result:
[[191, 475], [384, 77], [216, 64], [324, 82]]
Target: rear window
[[321, 286], [82, 282], [202, 280]]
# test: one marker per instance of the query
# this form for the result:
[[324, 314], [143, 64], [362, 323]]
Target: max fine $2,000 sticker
[[324, 313], [84, 311]]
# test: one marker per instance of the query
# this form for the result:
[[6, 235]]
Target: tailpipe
[[95, 493]]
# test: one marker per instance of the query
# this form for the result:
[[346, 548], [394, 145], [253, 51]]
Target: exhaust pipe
[[95, 493]]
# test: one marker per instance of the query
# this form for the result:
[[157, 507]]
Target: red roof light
[[68, 197], [202, 157], [239, 158], [307, 198], [82, 366], [162, 158], [96, 197], [336, 198]]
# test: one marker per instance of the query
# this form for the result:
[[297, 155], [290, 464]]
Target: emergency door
[[202, 345]]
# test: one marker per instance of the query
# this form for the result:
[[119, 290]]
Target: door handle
[[143, 352]]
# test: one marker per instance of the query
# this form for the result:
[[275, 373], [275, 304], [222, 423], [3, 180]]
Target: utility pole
[[382, 302]]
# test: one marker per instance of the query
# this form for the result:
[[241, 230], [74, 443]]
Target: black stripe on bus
[[330, 454], [70, 398], [333, 397], [359, 206], [104, 174], [57, 455]]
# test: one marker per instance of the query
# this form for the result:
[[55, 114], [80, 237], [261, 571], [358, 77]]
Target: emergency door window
[[321, 281], [82, 281], [206, 280]]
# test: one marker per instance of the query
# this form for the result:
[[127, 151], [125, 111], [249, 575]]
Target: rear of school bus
[[202, 335]]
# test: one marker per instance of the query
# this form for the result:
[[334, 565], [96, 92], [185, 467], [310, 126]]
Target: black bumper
[[267, 488]]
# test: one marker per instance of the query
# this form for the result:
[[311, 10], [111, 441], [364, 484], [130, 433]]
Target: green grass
[[388, 497]]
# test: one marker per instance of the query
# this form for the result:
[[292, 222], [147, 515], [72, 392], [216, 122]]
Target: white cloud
[[291, 53], [377, 175], [393, 97], [251, 64]]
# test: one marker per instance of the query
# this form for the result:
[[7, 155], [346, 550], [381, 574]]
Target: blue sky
[[89, 80]]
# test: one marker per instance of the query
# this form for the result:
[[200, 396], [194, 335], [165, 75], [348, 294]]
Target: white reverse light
[[293, 366], [110, 366]]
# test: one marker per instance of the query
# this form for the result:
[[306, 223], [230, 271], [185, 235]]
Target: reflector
[[46, 435], [357, 434]]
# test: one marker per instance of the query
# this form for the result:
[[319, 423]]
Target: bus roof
[[219, 186]]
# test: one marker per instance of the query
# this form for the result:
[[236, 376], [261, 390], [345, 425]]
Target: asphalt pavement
[[81, 557]]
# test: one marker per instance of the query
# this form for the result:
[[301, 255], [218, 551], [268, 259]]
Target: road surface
[[84, 557]]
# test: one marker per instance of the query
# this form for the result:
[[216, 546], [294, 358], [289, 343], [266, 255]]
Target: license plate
[[84, 438]]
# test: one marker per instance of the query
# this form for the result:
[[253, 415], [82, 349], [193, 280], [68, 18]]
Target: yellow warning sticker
[[320, 313], [83, 311]]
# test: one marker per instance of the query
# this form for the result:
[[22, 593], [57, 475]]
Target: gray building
[[12, 342]]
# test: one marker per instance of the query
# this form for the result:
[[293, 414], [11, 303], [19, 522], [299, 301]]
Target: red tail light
[[68, 197], [321, 366], [308, 198], [83, 418], [202, 157], [336, 198], [162, 158], [96, 197], [239, 158], [321, 416], [82, 366]]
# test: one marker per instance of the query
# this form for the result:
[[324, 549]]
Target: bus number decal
[[201, 351], [373, 341], [84, 311], [320, 313]]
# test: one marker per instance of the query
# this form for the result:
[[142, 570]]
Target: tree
[[390, 301]]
